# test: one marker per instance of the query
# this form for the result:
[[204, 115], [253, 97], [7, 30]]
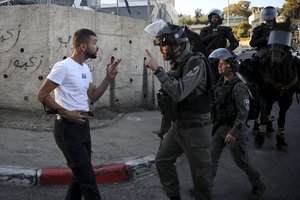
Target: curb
[[105, 174]]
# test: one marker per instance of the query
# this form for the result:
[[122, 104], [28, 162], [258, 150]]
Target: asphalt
[[123, 144], [124, 147]]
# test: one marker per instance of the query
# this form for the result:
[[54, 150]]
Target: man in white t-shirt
[[71, 81]]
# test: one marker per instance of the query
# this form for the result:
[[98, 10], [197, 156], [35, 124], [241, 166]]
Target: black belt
[[186, 125], [87, 113]]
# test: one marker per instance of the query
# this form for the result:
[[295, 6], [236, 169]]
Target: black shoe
[[269, 129], [255, 128], [257, 192], [259, 139], [281, 144]]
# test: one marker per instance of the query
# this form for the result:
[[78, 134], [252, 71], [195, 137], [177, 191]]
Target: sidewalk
[[123, 148]]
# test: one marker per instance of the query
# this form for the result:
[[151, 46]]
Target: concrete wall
[[34, 37]]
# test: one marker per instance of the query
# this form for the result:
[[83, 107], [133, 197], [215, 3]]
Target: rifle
[[168, 109]]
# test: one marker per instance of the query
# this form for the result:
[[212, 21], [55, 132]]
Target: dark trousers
[[194, 143], [239, 153], [74, 140]]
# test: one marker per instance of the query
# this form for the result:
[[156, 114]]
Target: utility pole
[[148, 11], [227, 12], [117, 7]]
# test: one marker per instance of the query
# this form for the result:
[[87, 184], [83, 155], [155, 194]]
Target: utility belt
[[186, 125]]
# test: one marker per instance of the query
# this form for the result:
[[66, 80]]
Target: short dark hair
[[82, 36]]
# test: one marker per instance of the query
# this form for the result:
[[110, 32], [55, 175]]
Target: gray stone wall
[[34, 37]]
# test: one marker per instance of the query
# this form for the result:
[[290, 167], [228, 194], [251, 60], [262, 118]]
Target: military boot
[[269, 127], [281, 144], [260, 136], [258, 189], [255, 128], [174, 197]]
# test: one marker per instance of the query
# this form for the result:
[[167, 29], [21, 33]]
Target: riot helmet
[[166, 33], [224, 54], [217, 12], [268, 13]]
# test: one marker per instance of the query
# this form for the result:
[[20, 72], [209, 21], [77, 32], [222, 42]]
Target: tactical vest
[[225, 109], [193, 103]]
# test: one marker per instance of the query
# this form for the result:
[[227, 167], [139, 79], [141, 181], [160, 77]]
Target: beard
[[90, 54], [169, 55]]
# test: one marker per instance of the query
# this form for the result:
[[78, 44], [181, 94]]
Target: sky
[[188, 7]]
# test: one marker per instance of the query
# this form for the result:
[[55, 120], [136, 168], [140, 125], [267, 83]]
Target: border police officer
[[230, 113], [215, 36], [261, 33], [188, 87]]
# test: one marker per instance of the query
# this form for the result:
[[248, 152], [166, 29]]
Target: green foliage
[[239, 9], [198, 13], [291, 8], [194, 20], [242, 30]]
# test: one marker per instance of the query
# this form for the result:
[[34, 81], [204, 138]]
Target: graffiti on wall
[[9, 41], [62, 42], [32, 64], [9, 38], [18, 60]]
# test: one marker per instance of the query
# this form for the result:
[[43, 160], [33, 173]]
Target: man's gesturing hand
[[150, 61]]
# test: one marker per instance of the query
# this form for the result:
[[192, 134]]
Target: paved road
[[280, 171]]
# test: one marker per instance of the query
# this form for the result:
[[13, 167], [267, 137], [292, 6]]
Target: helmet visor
[[268, 14], [280, 37], [158, 28], [220, 53]]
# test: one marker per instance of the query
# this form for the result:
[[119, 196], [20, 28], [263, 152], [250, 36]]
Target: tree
[[291, 8], [242, 30], [239, 9], [198, 19], [198, 13], [185, 21]]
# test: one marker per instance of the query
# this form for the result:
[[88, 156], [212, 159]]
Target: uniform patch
[[247, 104], [193, 71], [83, 75]]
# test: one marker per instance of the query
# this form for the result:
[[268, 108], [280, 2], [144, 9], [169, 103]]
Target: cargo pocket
[[200, 142], [199, 152]]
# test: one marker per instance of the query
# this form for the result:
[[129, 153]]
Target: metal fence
[[28, 2], [95, 4]]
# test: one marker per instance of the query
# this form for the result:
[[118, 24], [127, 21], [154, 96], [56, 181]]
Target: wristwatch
[[159, 69]]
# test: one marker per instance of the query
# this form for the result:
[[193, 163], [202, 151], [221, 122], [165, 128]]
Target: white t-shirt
[[73, 80]]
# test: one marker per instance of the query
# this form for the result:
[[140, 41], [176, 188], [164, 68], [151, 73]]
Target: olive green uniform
[[231, 112], [187, 83]]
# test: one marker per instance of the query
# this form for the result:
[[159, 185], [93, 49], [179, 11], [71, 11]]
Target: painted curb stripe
[[104, 174], [112, 173], [55, 176]]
